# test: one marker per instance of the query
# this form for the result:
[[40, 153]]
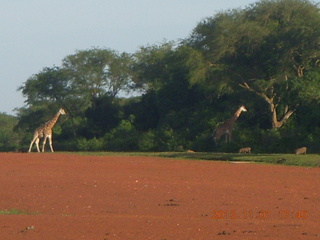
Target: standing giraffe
[[45, 131], [226, 126]]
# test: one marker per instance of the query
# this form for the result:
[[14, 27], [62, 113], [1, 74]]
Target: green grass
[[308, 160], [16, 212]]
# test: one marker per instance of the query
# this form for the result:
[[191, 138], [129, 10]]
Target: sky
[[39, 33]]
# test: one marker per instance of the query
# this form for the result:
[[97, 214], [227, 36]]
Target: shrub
[[122, 138], [147, 142], [89, 144]]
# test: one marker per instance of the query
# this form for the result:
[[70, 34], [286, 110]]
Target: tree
[[9, 140], [170, 105], [84, 79], [98, 72], [151, 66], [163, 72], [267, 48], [50, 84], [50, 88]]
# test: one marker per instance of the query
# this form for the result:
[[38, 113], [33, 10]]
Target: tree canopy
[[265, 56], [269, 48]]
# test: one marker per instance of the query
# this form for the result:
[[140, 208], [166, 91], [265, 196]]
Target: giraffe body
[[45, 132], [226, 127]]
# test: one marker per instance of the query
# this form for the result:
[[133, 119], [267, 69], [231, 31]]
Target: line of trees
[[265, 56]]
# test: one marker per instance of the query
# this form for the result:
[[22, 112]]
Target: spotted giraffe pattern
[[226, 126], [45, 131]]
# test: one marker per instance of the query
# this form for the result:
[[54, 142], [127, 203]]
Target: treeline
[[265, 56]]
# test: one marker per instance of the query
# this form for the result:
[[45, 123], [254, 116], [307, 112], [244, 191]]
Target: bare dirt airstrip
[[67, 196]]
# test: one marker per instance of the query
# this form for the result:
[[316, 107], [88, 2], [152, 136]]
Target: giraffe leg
[[37, 144], [50, 143], [31, 145], [32, 142], [44, 143]]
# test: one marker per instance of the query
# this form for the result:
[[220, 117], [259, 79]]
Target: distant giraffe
[[45, 131], [226, 126]]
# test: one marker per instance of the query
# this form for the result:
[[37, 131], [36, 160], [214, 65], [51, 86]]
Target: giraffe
[[45, 131], [226, 126]]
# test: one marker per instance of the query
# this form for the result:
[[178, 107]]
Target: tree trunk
[[274, 119], [273, 107]]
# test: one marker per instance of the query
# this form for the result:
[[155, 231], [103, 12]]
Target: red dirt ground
[[108, 197]]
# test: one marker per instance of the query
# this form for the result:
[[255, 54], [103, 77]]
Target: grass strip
[[307, 160], [14, 211]]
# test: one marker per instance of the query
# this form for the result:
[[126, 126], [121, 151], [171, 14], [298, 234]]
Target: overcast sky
[[40, 33]]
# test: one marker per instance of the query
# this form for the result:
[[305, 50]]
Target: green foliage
[[102, 116], [166, 140], [96, 72], [83, 79], [162, 140], [150, 68], [147, 142], [265, 56], [122, 138], [51, 84], [308, 87], [93, 144], [9, 140], [263, 49]]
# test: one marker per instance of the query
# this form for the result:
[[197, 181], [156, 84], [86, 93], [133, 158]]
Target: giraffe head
[[242, 108], [61, 111]]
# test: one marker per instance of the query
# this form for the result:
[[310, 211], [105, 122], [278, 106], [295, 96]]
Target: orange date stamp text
[[262, 214]]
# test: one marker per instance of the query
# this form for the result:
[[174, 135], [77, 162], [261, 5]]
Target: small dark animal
[[281, 160]]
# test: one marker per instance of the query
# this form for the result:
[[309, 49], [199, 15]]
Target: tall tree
[[98, 72], [50, 84], [151, 66], [162, 72], [268, 48], [84, 78], [49, 88]]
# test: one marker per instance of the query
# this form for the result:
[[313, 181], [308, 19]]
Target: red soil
[[107, 197]]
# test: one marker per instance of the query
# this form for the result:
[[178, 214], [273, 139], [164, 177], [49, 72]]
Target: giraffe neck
[[53, 121], [235, 116]]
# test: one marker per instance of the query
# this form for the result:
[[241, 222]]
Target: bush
[[122, 138], [89, 144], [203, 142], [162, 140], [147, 142]]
